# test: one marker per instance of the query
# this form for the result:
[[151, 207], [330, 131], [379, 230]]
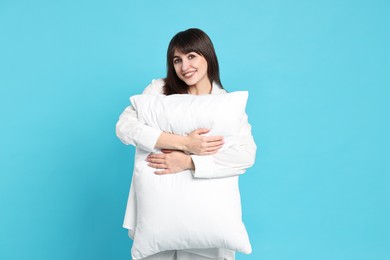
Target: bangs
[[186, 49], [191, 43], [191, 40]]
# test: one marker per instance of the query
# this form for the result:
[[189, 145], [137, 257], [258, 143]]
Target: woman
[[192, 69]]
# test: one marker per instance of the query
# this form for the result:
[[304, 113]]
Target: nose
[[185, 65]]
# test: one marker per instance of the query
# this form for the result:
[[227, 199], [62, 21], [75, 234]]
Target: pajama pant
[[184, 255]]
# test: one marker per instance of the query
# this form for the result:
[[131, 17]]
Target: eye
[[191, 56], [176, 61]]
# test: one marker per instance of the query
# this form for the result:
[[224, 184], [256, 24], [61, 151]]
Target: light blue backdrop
[[318, 77]]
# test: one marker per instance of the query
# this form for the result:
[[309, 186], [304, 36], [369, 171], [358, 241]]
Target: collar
[[216, 89]]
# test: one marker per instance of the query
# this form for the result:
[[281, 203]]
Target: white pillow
[[178, 211]]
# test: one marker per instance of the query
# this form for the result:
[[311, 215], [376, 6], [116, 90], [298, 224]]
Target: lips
[[189, 74]]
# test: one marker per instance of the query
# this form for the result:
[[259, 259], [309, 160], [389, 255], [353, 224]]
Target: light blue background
[[318, 77]]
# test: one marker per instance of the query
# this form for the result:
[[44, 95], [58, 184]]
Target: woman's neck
[[200, 89]]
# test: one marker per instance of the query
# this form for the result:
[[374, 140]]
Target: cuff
[[204, 166], [148, 137]]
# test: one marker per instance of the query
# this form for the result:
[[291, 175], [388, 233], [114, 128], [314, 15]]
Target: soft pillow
[[178, 211]]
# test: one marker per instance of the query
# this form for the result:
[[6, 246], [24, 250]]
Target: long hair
[[191, 40]]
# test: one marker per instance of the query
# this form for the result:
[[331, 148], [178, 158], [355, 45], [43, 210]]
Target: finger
[[200, 131], [158, 165], [162, 172], [167, 150], [213, 144], [156, 155], [207, 153], [155, 160], [213, 138], [214, 149]]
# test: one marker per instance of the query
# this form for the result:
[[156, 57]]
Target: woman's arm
[[130, 131], [193, 143], [230, 162]]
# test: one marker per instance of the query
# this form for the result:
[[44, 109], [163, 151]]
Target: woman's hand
[[194, 143], [170, 161], [198, 144]]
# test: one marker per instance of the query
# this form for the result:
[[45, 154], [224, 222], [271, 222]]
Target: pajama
[[185, 255], [231, 162]]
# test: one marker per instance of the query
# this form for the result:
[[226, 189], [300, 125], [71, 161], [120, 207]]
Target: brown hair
[[187, 41]]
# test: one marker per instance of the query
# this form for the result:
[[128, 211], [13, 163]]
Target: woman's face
[[191, 68]]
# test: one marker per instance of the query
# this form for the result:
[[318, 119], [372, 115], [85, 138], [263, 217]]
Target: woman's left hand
[[170, 161]]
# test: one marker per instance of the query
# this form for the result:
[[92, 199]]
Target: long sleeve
[[131, 131], [231, 161]]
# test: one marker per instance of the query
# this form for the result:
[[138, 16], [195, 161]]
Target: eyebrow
[[185, 54]]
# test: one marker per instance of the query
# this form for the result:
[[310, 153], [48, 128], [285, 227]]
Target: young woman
[[192, 69]]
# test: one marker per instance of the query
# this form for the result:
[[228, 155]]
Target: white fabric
[[233, 161], [230, 162], [176, 211], [183, 255], [212, 253], [180, 114], [165, 255]]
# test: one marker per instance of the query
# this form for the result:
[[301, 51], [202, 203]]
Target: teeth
[[189, 74]]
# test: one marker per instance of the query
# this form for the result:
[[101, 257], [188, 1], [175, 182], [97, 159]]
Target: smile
[[189, 74]]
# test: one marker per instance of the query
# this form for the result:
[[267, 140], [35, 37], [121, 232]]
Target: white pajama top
[[230, 162]]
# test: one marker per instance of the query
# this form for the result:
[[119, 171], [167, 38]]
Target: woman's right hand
[[197, 143]]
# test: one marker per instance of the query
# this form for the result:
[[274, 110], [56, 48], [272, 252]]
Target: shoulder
[[155, 87]]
